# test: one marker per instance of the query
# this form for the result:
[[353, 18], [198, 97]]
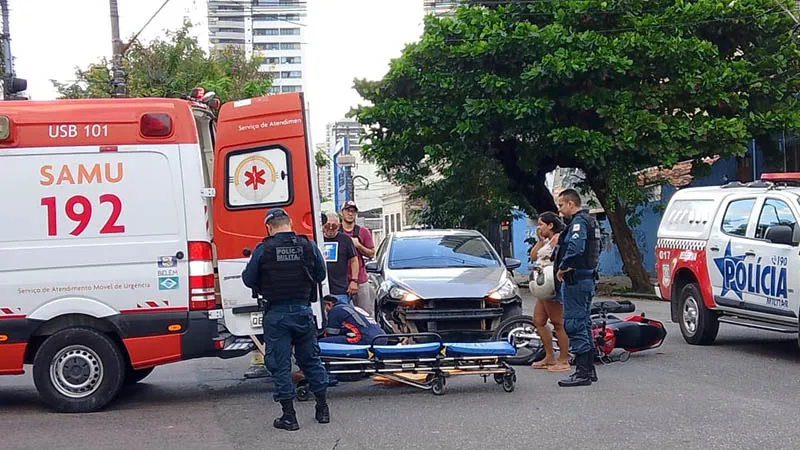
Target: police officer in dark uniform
[[577, 258], [285, 269]]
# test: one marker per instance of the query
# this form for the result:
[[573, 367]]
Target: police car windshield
[[432, 252]]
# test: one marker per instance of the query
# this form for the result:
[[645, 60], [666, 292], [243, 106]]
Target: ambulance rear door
[[262, 160]]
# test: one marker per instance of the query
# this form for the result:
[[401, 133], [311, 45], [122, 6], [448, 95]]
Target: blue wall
[[645, 233]]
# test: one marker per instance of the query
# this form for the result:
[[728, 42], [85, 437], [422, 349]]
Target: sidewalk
[[606, 287]]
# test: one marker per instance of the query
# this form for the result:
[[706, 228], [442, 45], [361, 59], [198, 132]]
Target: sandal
[[542, 364], [556, 367]]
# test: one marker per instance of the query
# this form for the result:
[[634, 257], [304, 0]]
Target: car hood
[[451, 282]]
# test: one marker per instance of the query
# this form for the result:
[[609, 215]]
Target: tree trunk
[[623, 236]]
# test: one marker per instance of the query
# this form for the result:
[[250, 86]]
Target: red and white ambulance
[[725, 253], [116, 215]]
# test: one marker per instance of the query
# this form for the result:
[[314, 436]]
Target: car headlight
[[506, 290], [403, 295]]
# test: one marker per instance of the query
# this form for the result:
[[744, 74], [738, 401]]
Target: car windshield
[[431, 252]]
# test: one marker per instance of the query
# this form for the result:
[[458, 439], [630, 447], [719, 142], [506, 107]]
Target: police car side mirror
[[372, 267], [512, 263], [780, 234]]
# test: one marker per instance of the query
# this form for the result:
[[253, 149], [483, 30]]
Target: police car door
[[730, 250], [770, 289], [261, 160]]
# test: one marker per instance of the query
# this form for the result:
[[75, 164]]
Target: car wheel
[[78, 370], [520, 332], [699, 325]]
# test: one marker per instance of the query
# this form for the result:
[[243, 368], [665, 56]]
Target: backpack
[[356, 230]]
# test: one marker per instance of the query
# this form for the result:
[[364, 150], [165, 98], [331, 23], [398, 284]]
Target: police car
[[723, 256]]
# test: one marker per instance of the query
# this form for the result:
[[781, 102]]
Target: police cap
[[275, 213]]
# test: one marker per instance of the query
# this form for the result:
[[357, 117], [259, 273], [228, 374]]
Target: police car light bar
[[777, 177]]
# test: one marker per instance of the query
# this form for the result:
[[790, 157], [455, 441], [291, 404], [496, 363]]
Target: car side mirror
[[372, 267], [781, 234], [512, 263]]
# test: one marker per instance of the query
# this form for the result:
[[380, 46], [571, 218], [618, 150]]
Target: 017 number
[[79, 210]]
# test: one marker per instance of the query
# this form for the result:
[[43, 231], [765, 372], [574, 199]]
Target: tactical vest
[[286, 267], [591, 254]]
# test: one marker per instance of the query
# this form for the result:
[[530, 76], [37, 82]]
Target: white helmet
[[542, 283]]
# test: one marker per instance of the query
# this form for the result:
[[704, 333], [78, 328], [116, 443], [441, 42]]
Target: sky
[[345, 39]]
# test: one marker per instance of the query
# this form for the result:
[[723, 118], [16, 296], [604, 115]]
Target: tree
[[171, 68], [502, 93], [320, 159]]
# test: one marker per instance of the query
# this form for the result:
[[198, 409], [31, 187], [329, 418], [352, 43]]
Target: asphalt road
[[739, 393]]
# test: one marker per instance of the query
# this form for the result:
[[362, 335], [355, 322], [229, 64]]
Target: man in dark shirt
[[341, 260]]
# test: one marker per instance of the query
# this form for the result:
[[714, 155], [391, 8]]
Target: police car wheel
[[699, 325], [78, 370]]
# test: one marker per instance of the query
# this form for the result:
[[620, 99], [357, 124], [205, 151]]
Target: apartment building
[[272, 29]]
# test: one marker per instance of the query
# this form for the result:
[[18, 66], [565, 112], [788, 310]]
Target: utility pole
[[8, 63], [11, 86], [118, 75]]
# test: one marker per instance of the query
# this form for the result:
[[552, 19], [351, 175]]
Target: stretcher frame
[[437, 368]]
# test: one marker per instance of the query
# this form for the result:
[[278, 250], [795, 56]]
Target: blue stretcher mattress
[[427, 350]]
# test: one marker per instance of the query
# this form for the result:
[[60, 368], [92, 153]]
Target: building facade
[[440, 7], [271, 29]]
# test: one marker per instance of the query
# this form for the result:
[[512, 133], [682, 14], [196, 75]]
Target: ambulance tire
[[133, 376], [693, 310], [95, 356]]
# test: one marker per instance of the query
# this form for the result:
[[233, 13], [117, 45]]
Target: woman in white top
[[548, 228]]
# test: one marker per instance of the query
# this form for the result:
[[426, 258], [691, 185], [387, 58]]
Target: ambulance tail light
[[157, 125], [5, 128], [201, 277]]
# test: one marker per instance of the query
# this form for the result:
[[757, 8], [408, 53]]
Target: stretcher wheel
[[303, 393], [438, 386], [508, 383], [498, 378]]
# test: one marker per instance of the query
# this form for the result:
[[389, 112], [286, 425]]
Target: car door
[[728, 247], [770, 290], [262, 160]]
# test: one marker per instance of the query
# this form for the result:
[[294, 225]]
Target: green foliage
[[320, 159], [171, 68], [501, 94]]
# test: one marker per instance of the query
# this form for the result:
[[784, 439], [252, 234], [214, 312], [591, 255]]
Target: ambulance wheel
[[699, 325], [508, 383], [438, 386], [303, 393], [78, 370], [133, 376]]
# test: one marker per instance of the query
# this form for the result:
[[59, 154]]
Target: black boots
[[323, 413], [288, 421], [584, 373]]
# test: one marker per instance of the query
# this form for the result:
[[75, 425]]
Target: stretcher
[[436, 361]]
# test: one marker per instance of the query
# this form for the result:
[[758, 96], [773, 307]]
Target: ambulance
[[723, 256], [126, 225]]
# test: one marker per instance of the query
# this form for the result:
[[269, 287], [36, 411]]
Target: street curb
[[614, 294], [634, 295]]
